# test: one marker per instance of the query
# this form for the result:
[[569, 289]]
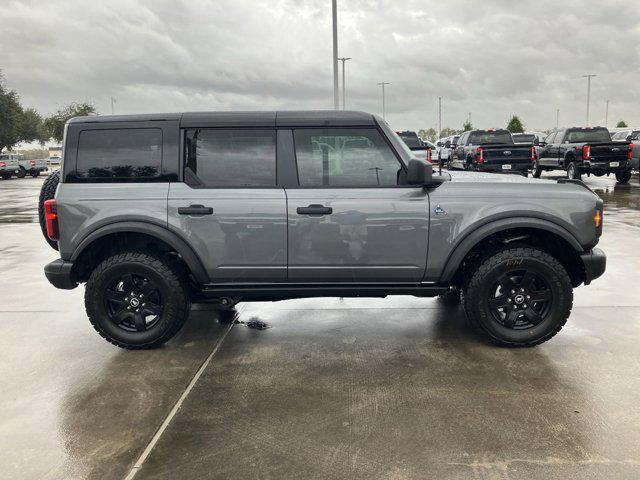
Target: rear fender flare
[[170, 238]]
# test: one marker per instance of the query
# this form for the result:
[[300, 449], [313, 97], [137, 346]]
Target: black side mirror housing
[[419, 172], [536, 142]]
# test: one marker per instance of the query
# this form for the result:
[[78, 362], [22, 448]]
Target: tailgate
[[608, 152], [506, 154]]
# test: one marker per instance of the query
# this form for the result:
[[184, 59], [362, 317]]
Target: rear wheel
[[573, 172], [623, 176], [136, 301], [21, 173], [35, 174], [536, 170], [518, 297]]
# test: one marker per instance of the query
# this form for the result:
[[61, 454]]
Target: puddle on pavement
[[254, 323]]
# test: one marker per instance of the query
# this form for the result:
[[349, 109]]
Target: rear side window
[[341, 157], [127, 153], [230, 158]]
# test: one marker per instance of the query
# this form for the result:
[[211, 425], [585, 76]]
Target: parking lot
[[394, 388]]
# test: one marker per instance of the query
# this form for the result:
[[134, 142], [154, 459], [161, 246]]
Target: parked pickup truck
[[420, 149], [16, 164], [9, 165], [264, 206], [587, 150], [630, 136], [491, 151]]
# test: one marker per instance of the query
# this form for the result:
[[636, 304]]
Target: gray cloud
[[492, 58]]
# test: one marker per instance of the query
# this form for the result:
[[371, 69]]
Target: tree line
[[19, 124]]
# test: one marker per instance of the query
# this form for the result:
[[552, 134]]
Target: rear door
[[351, 218], [229, 207], [544, 155]]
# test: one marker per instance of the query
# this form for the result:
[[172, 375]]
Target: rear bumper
[[497, 167], [595, 263], [59, 275]]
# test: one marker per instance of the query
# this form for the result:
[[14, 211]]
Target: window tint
[[231, 158], [344, 157], [550, 137], [589, 135], [127, 153], [490, 137]]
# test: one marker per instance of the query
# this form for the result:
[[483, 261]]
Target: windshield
[[523, 138], [588, 135], [487, 137]]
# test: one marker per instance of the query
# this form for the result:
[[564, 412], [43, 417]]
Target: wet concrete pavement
[[355, 388]]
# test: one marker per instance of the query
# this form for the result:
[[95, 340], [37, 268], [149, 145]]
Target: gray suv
[[154, 212]]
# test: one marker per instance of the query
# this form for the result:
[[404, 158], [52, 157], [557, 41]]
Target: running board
[[289, 291]]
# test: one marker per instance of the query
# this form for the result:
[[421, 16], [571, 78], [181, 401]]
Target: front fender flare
[[463, 247], [170, 238]]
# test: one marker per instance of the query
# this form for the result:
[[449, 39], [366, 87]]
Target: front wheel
[[136, 300], [573, 172], [518, 297], [623, 176]]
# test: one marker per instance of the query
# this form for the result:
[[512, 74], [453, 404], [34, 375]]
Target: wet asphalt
[[394, 388]]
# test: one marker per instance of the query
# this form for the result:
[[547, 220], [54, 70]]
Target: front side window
[[550, 137], [126, 154], [354, 157], [231, 158]]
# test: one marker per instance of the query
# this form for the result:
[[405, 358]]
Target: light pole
[[439, 116], [344, 87], [469, 119], [588, 77], [557, 117], [383, 101], [606, 115], [113, 101], [336, 95]]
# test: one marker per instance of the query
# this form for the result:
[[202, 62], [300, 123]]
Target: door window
[[230, 158], [550, 138], [353, 157]]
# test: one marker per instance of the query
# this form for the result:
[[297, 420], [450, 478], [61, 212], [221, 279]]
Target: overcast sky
[[490, 57]]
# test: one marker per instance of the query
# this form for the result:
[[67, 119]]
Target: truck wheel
[[136, 301], [36, 174], [21, 173], [536, 170], [518, 297], [47, 192], [573, 172], [6, 176], [623, 176]]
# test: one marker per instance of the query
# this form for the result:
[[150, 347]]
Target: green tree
[[467, 126], [429, 134], [447, 132], [54, 125], [10, 117], [515, 125], [30, 127], [622, 124]]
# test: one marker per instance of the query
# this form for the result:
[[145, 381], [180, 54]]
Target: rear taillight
[[3, 164], [533, 154], [429, 155], [586, 152], [51, 219], [630, 152], [32, 163], [479, 155]]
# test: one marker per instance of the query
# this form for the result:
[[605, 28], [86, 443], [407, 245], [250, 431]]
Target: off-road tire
[[47, 192], [482, 275], [173, 287], [573, 172], [623, 176]]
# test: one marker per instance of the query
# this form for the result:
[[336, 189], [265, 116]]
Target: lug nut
[[515, 308], [513, 291], [509, 300], [524, 306], [144, 304], [528, 297]]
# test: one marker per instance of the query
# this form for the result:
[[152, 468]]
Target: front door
[[228, 208], [352, 219]]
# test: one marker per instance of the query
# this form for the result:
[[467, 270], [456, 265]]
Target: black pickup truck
[[587, 150], [491, 151]]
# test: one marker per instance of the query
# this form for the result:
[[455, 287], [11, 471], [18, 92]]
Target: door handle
[[314, 210], [195, 210]]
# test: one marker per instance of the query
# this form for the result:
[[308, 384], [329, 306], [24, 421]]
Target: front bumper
[[595, 263], [59, 275]]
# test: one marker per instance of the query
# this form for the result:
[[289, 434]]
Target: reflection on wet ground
[[334, 388]]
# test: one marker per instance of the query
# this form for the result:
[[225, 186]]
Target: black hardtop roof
[[284, 118]]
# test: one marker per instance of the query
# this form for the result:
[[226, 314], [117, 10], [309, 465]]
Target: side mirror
[[536, 142], [447, 145], [419, 172], [629, 138]]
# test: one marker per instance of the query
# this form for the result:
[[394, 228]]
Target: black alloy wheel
[[133, 303]]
